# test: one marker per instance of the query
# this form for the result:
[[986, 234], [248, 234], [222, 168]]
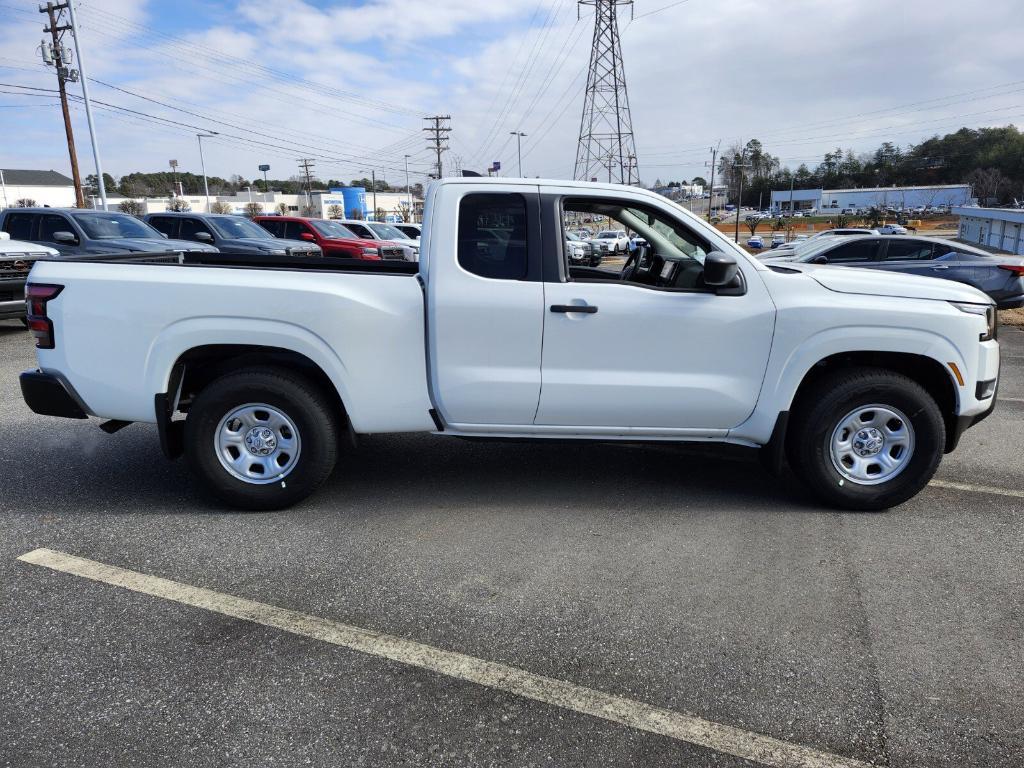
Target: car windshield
[[606, 235], [109, 226], [332, 229], [387, 232], [238, 228], [570, 236]]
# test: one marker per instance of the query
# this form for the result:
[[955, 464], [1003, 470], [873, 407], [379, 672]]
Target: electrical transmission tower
[[306, 166], [438, 138], [606, 129]]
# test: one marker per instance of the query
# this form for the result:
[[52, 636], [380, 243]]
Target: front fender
[[787, 371]]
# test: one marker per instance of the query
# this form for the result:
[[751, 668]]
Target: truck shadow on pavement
[[91, 471]]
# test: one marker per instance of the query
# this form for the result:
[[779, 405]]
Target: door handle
[[941, 266], [586, 309]]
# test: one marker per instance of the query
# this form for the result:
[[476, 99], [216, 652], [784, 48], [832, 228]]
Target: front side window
[[854, 251], [50, 224], [492, 235], [662, 251], [192, 227], [110, 226], [274, 227], [361, 231]]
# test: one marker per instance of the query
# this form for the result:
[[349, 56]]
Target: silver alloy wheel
[[257, 443], [872, 444]]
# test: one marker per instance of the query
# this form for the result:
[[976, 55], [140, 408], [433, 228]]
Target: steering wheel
[[632, 264]]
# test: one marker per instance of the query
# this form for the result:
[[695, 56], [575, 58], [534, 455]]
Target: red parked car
[[333, 238]]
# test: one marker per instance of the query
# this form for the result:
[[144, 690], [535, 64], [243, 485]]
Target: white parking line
[[1010, 399], [559, 693], [977, 488]]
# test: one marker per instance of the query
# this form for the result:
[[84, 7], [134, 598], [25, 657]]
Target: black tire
[[818, 415], [302, 402], [24, 321]]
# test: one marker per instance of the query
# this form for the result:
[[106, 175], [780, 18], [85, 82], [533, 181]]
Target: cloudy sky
[[346, 82]]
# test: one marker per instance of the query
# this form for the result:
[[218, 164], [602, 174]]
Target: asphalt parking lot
[[684, 580]]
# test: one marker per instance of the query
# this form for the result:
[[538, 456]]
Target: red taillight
[[36, 296], [1017, 269]]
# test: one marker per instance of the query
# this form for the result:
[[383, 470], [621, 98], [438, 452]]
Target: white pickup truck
[[260, 375]]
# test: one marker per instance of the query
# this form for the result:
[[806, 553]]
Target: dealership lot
[[688, 580]]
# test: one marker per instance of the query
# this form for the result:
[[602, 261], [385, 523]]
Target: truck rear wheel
[[261, 438], [866, 439]]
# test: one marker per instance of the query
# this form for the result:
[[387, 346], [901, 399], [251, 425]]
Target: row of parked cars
[[29, 234], [1000, 276]]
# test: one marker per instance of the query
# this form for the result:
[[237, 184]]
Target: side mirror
[[307, 236], [204, 237], [65, 237], [720, 269], [822, 259], [164, 235]]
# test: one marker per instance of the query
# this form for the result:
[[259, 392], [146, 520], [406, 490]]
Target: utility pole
[[438, 139], [738, 166], [408, 189], [606, 126], [3, 186], [711, 186], [519, 148], [174, 176], [306, 166], [58, 55], [373, 188], [792, 178]]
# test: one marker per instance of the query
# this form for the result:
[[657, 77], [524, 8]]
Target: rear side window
[[293, 230], [492, 235], [276, 228], [361, 231], [163, 224], [19, 226], [855, 250], [908, 250]]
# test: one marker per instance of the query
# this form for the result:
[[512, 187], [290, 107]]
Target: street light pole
[[266, 184], [739, 165], [202, 162], [519, 148], [373, 182], [88, 105]]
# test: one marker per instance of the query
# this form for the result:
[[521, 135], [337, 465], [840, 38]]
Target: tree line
[[989, 159]]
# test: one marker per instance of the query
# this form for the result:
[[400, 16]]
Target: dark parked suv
[[80, 232], [232, 235]]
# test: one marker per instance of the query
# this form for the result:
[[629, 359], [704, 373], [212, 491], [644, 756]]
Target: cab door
[[486, 305], [647, 356]]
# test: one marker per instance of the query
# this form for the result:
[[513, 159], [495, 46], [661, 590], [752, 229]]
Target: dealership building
[[825, 200], [999, 228]]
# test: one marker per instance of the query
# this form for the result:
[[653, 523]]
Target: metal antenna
[[606, 128]]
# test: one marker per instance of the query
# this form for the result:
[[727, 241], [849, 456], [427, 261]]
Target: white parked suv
[[610, 241], [258, 375]]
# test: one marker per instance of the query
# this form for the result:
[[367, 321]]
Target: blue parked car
[[1001, 276]]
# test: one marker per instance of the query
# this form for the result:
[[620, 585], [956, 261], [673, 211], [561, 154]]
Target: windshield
[[108, 226], [570, 236], [607, 235], [236, 227], [387, 231], [332, 229]]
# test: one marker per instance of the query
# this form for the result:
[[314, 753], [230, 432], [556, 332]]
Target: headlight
[[277, 252], [988, 311], [369, 251]]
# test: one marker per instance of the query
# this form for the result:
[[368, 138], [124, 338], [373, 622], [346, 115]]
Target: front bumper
[[47, 395], [12, 308]]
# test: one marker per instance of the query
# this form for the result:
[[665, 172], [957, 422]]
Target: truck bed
[[121, 327]]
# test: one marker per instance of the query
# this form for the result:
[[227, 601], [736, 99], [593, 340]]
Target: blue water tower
[[355, 200]]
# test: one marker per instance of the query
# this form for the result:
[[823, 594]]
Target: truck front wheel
[[261, 438], [866, 438]]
